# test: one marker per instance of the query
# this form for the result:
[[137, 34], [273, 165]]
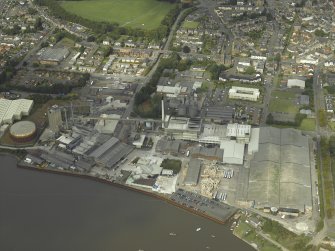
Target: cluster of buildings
[[19, 33], [200, 34]]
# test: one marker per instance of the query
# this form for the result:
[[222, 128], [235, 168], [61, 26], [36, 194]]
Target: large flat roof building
[[239, 132], [251, 94], [52, 56], [110, 152], [280, 171], [11, 110], [193, 172], [233, 152]]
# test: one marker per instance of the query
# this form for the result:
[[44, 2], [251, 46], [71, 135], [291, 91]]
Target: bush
[[172, 164]]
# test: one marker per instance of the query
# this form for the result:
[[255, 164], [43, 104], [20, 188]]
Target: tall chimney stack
[[163, 114]]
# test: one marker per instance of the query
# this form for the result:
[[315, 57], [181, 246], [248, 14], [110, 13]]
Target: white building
[[244, 93], [11, 110], [239, 132], [296, 83], [171, 91], [233, 152]]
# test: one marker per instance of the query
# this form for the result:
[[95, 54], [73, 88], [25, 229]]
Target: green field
[[283, 94], [307, 125], [146, 14], [190, 24], [283, 105]]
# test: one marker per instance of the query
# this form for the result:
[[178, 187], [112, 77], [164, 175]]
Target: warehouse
[[233, 152], [193, 172], [280, 171], [219, 114], [111, 152], [11, 110], [168, 146], [52, 56]]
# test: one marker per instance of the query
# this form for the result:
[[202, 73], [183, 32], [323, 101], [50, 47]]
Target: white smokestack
[[163, 114]]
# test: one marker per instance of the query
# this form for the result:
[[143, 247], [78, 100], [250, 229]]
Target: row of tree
[[270, 120]]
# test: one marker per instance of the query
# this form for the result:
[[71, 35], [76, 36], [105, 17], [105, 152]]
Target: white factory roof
[[233, 152], [171, 91], [254, 141], [238, 130], [65, 139], [14, 109]]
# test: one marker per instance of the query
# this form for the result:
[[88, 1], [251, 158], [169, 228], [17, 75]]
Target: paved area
[[203, 204]]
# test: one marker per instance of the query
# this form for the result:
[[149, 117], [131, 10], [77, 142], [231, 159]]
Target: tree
[[91, 38], [322, 117], [186, 49], [250, 70], [38, 24], [44, 44], [81, 49], [320, 33], [269, 119]]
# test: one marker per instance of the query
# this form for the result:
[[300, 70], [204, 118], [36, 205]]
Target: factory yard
[[145, 14]]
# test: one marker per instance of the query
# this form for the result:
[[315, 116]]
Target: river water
[[43, 211]]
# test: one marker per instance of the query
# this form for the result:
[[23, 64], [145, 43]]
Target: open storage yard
[[146, 14]]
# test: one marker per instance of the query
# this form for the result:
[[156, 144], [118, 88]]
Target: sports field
[[145, 14]]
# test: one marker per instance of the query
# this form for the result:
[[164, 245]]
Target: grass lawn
[[283, 105], [307, 125], [66, 42], [146, 14], [190, 24], [331, 125], [283, 94], [247, 233]]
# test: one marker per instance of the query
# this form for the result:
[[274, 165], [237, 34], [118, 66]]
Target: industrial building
[[240, 132], [107, 123], [182, 128], [23, 131], [280, 174], [219, 114], [214, 153], [55, 118], [111, 152], [193, 172], [213, 134], [171, 91], [52, 56], [250, 94], [233, 152], [168, 146], [296, 83], [11, 110]]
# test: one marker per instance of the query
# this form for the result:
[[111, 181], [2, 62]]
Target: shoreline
[[122, 186]]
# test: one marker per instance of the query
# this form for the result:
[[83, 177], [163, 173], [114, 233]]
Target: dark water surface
[[43, 211]]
